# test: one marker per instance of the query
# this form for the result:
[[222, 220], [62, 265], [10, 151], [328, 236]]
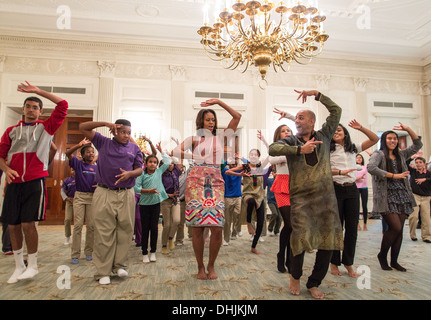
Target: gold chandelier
[[297, 35], [141, 141]]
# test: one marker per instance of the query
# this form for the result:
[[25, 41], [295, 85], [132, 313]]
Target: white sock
[[19, 266], [31, 268], [32, 260], [19, 259]]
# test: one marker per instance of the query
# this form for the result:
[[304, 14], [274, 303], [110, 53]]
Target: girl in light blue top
[[149, 185]]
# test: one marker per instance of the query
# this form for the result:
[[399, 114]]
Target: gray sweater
[[377, 168]]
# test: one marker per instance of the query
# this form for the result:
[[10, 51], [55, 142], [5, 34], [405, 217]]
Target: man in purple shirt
[[118, 165]]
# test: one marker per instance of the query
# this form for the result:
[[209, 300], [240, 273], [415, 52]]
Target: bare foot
[[365, 227], [212, 275], [316, 293], [294, 286], [254, 250], [351, 272], [250, 229], [334, 270], [202, 275], [359, 227]]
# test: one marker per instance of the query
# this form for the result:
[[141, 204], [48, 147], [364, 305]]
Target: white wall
[[155, 85]]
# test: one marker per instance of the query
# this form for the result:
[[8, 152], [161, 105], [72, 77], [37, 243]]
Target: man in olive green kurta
[[314, 215]]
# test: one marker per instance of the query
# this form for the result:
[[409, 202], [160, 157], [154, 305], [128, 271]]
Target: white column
[[361, 110], [106, 94], [425, 90], [178, 76]]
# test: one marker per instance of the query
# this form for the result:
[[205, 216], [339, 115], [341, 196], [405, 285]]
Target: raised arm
[[236, 116], [417, 143], [334, 117], [87, 128], [284, 114], [69, 152], [232, 171], [28, 88], [372, 137]]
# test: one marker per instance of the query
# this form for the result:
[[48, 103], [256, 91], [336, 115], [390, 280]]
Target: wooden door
[[66, 136]]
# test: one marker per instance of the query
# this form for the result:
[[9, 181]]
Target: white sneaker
[[122, 273], [240, 234], [261, 239], [105, 280], [15, 275], [67, 241], [225, 243], [153, 257], [146, 259], [28, 273]]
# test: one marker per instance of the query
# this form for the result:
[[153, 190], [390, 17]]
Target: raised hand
[[113, 127], [210, 102], [355, 124], [28, 88], [159, 147], [85, 142], [401, 127], [304, 94], [280, 112]]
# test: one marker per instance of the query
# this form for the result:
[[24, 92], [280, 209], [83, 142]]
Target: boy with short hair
[[119, 164], [24, 159]]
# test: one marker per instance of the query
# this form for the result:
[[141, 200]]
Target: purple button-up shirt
[[113, 156]]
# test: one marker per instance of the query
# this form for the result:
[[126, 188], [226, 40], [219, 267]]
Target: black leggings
[[284, 241], [260, 216], [150, 223], [393, 237], [363, 192]]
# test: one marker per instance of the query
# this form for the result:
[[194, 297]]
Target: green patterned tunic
[[314, 211]]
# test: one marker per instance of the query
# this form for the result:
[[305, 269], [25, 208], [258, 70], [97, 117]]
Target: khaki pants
[[82, 212], [180, 230], [423, 204], [114, 220], [68, 214], [171, 219], [231, 216]]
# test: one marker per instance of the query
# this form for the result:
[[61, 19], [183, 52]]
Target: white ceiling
[[398, 28]]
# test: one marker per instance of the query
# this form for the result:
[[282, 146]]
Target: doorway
[[66, 136]]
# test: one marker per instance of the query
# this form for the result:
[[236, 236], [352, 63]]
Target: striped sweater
[[26, 147]]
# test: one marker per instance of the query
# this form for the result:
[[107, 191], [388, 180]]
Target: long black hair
[[348, 145], [385, 149]]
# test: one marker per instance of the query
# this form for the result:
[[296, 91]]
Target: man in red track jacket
[[24, 159]]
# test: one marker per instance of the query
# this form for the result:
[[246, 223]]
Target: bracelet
[[392, 175]]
